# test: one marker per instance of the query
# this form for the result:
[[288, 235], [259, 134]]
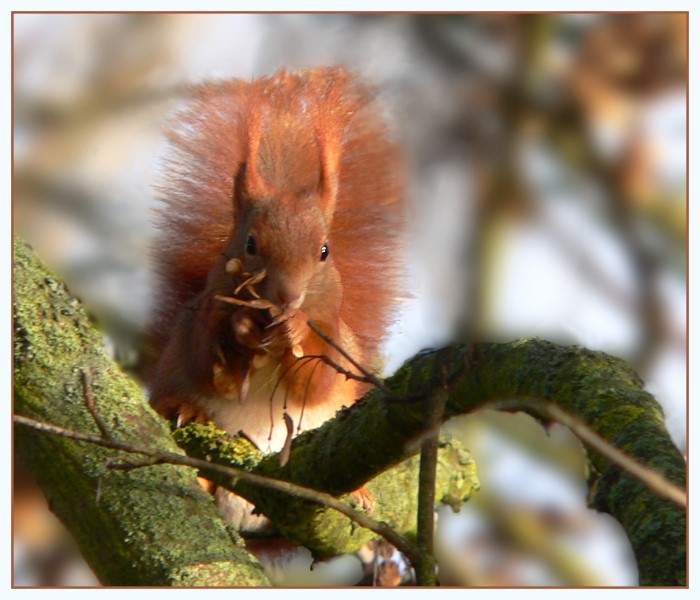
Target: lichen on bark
[[150, 526], [323, 530]]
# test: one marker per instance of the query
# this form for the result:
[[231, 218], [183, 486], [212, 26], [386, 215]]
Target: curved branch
[[53, 341], [601, 391]]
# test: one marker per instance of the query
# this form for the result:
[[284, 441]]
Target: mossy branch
[[601, 391], [155, 525], [53, 341], [152, 526]]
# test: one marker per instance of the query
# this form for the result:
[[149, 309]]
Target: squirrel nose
[[290, 299]]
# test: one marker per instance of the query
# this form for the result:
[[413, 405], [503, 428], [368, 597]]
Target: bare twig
[[255, 303], [367, 374], [306, 395], [163, 457], [649, 477], [297, 364], [342, 371], [90, 404], [248, 284]]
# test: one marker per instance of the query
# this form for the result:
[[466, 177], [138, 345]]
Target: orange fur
[[296, 161]]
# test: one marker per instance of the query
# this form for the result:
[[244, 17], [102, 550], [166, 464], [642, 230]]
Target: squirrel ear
[[330, 154], [239, 189], [255, 184]]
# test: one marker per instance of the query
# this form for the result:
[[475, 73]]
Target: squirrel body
[[282, 203]]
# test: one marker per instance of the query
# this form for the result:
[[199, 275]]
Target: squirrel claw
[[187, 413], [294, 327], [278, 320]]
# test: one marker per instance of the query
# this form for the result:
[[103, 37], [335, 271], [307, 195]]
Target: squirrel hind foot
[[364, 498]]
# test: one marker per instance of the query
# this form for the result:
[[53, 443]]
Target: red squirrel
[[282, 204]]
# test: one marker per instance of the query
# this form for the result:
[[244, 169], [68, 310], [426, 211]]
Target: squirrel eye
[[251, 247], [324, 252]]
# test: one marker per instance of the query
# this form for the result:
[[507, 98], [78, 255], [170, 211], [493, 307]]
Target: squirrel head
[[284, 199], [286, 233]]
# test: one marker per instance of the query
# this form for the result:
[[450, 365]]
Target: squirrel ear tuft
[[255, 184], [239, 188], [329, 179]]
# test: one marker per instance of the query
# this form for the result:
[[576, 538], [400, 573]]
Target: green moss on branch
[[602, 391], [151, 526], [323, 530], [53, 341]]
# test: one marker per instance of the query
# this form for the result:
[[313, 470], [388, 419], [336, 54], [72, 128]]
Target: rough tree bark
[[154, 526]]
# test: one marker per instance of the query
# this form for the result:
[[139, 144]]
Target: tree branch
[[52, 337], [228, 473], [600, 390], [152, 526], [652, 479]]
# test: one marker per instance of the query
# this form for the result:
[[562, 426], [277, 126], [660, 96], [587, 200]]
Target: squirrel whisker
[[306, 393], [298, 364]]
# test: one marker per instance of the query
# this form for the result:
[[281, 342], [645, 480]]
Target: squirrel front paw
[[291, 329], [296, 327], [247, 330]]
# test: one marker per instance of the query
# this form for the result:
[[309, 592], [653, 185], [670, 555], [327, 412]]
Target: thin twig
[[92, 407], [342, 371], [255, 303], [368, 375], [306, 395], [163, 457], [254, 279], [298, 364], [649, 477]]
